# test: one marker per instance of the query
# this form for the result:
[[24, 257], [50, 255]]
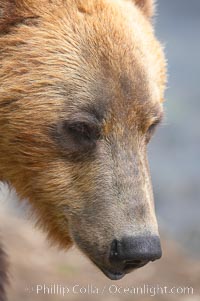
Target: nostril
[[133, 261], [114, 251]]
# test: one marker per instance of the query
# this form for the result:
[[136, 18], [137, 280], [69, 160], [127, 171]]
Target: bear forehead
[[112, 43], [102, 49]]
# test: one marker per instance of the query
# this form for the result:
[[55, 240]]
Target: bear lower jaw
[[113, 275], [117, 274]]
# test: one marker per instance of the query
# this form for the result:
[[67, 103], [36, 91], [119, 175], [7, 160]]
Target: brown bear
[[82, 86]]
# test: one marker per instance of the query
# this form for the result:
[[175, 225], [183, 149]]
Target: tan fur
[[147, 6], [57, 57]]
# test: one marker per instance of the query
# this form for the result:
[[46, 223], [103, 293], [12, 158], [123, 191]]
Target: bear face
[[82, 86]]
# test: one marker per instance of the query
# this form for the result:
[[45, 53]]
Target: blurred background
[[175, 166]]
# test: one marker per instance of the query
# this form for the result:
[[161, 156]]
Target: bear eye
[[80, 135], [82, 130], [151, 130]]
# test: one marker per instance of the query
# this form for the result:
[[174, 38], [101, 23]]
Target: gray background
[[175, 151]]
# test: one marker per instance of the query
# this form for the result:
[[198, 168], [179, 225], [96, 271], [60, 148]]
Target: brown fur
[[80, 60]]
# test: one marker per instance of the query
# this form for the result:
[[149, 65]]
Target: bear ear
[[147, 6]]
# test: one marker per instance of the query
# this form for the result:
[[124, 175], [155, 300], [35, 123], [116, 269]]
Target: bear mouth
[[113, 275], [119, 274]]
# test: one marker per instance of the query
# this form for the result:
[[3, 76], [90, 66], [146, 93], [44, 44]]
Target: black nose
[[134, 252]]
